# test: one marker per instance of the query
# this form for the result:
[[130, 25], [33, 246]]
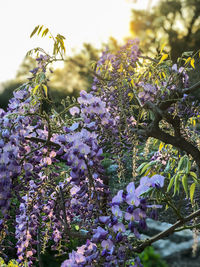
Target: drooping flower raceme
[[112, 247]]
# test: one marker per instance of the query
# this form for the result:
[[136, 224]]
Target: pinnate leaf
[[192, 189], [165, 56], [34, 31]]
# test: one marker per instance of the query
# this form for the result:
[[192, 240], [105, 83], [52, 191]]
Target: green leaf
[[34, 31], [187, 60], [194, 176], [55, 49], [45, 89], [170, 183], [162, 47], [77, 227], [181, 162], [62, 45], [192, 63], [141, 166], [139, 63], [142, 113], [165, 56], [185, 184], [187, 54], [147, 166], [192, 189], [161, 146], [35, 89], [188, 167], [45, 32], [131, 95], [61, 36], [40, 29], [176, 183]]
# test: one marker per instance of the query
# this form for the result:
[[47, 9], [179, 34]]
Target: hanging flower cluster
[[51, 167], [109, 245]]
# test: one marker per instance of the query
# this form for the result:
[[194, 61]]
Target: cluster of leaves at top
[[51, 170]]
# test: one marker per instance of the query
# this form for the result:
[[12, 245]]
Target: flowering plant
[[52, 171]]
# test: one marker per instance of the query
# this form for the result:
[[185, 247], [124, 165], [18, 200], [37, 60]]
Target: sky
[[78, 20]]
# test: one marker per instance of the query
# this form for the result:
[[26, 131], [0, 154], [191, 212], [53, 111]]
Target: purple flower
[[154, 214], [107, 244], [140, 213], [84, 149], [5, 133], [146, 183], [142, 224], [157, 180], [119, 227], [74, 259], [174, 68], [131, 216], [118, 198], [104, 219], [74, 126], [130, 209], [114, 220], [99, 234], [68, 263], [119, 237], [130, 188], [132, 199], [28, 167], [116, 211], [74, 110], [20, 94]]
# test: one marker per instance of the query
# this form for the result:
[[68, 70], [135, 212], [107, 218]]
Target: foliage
[[175, 23], [11, 263], [7, 93], [150, 259], [54, 173]]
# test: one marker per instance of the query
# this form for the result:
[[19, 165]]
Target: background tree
[[174, 22], [75, 75]]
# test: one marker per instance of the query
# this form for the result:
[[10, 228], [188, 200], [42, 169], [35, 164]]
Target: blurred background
[[89, 26]]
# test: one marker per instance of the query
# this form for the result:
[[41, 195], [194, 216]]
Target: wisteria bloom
[[74, 110], [107, 244], [119, 227], [99, 234], [116, 211], [104, 219], [146, 183], [118, 198], [132, 199]]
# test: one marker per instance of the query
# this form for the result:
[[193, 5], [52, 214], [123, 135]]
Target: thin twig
[[166, 233]]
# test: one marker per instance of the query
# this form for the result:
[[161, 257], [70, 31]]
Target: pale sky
[[78, 20]]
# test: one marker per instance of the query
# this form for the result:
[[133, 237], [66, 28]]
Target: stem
[[36, 140], [64, 211], [38, 249], [166, 233], [188, 227]]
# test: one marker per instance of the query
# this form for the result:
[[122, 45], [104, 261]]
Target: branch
[[39, 140], [177, 141], [192, 22], [175, 95], [192, 88], [39, 250], [195, 226], [149, 58], [166, 233], [159, 114]]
